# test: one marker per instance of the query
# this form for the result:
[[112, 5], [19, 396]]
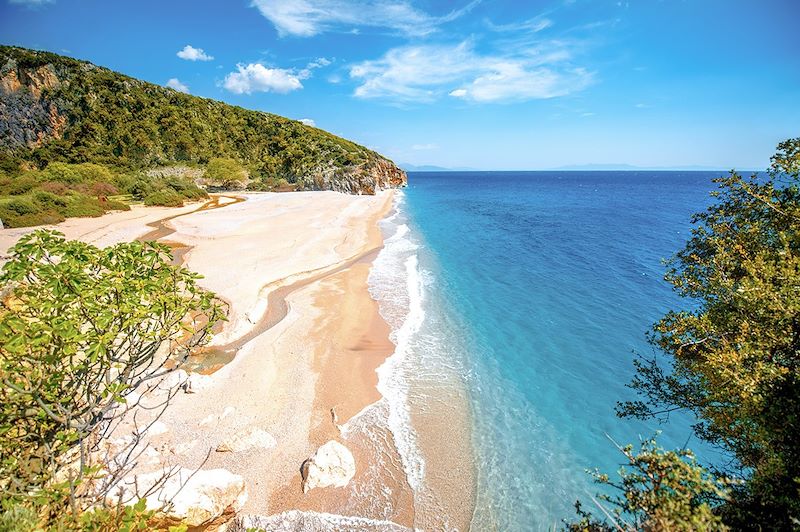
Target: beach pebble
[[331, 465]]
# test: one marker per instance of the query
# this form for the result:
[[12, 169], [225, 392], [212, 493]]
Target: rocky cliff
[[54, 108]]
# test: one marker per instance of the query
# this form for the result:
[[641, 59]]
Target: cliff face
[[54, 108], [369, 178], [27, 119]]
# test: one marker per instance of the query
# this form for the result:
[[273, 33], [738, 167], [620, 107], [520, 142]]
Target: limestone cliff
[[54, 108]]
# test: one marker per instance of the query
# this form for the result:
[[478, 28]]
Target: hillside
[[55, 108]]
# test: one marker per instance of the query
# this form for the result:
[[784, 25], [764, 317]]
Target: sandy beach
[[298, 356]]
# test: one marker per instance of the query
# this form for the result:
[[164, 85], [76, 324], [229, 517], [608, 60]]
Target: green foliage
[[658, 491], [17, 518], [80, 327], [166, 198], [116, 120], [75, 173], [83, 206], [64, 190], [735, 358], [225, 173]]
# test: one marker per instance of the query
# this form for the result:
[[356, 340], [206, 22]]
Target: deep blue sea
[[541, 286]]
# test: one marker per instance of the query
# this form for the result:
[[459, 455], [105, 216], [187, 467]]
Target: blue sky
[[485, 84]]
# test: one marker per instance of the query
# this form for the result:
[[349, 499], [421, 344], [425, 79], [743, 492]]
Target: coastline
[[306, 376]]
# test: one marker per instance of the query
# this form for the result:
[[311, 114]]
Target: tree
[[80, 329], [661, 491], [226, 173], [734, 357]]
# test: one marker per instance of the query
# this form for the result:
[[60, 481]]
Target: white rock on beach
[[331, 465], [197, 498], [252, 439]]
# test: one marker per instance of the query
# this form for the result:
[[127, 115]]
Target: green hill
[[58, 109]]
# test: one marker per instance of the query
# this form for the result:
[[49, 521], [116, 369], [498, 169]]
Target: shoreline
[[299, 358]]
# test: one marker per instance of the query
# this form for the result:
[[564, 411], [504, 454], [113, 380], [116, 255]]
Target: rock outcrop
[[201, 498], [369, 178], [332, 465], [28, 115]]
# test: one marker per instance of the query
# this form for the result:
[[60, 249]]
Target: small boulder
[[252, 439], [331, 465]]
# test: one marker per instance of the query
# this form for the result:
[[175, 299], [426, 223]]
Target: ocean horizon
[[535, 291]]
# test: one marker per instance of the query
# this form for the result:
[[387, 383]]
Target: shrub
[[165, 198], [48, 200], [83, 327], [54, 187], [12, 217], [76, 173], [16, 186], [226, 173], [39, 218], [20, 206], [140, 187], [103, 189], [194, 192], [83, 206], [114, 205], [658, 491]]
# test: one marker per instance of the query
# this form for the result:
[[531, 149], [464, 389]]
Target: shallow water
[[531, 290]]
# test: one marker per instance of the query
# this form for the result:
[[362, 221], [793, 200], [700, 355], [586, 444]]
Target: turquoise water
[[538, 288]]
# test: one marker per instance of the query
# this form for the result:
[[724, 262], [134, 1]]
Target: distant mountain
[[630, 167], [55, 108], [431, 168]]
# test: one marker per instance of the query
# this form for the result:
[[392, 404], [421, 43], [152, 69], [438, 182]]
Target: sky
[[483, 84]]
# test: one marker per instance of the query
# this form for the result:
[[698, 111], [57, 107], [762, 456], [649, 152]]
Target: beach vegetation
[[165, 197], [66, 190], [81, 330]]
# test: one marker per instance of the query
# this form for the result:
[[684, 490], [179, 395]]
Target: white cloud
[[320, 62], [424, 147], [412, 73], [535, 25], [423, 73], [190, 53], [308, 122], [305, 18], [515, 81], [255, 77], [175, 83]]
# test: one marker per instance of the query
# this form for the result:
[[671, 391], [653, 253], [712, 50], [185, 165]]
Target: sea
[[532, 293]]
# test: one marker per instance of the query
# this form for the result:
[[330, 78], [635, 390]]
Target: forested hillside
[[58, 109]]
